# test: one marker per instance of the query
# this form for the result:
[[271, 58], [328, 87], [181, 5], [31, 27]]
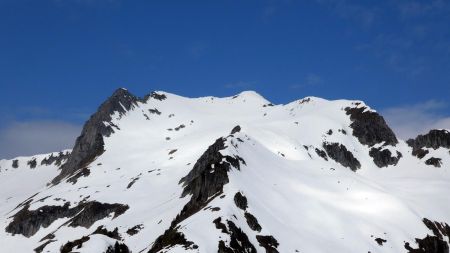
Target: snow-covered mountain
[[166, 173]]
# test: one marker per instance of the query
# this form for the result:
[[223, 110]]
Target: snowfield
[[305, 174]]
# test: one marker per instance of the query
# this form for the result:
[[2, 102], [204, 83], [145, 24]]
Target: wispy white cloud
[[240, 85], [364, 15], [397, 52], [34, 137], [410, 120], [310, 79], [197, 49], [411, 9]]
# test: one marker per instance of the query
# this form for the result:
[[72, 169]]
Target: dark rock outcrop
[[48, 237], [433, 139], [179, 127], [380, 241], [439, 229], [154, 111], [252, 222], [133, 180], [134, 230], [268, 242], [235, 129], [155, 95], [41, 247], [77, 244], [111, 234], [322, 154], [384, 158], [118, 248], [207, 178], [94, 211], [239, 241], [222, 248], [27, 222], [57, 160], [84, 172], [429, 244], [436, 243], [171, 237], [240, 201], [220, 225], [15, 164], [90, 143], [436, 162], [340, 154], [420, 152], [70, 245], [369, 127], [204, 182], [32, 163]]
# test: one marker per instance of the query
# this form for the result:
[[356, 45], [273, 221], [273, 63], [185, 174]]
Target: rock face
[[420, 153], [239, 241], [369, 127], [383, 158], [94, 211], [204, 182], [15, 164], [32, 163], [76, 244], [436, 243], [252, 222], [340, 154], [90, 143], [433, 139], [240, 201], [171, 237], [57, 160], [118, 248], [236, 129], [156, 96], [436, 162], [429, 244], [68, 247], [268, 242], [208, 177], [322, 154], [112, 234], [28, 222]]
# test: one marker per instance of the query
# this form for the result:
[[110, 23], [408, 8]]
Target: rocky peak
[[121, 101], [90, 143]]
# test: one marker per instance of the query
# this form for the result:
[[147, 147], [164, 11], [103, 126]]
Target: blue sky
[[59, 59]]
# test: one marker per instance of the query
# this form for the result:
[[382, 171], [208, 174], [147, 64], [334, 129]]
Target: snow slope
[[300, 196]]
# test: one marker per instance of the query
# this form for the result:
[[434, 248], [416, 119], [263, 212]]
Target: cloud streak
[[240, 85], [310, 80], [412, 9], [364, 15], [35, 137], [410, 120]]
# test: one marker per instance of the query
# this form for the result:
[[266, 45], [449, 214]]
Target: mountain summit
[[165, 173]]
